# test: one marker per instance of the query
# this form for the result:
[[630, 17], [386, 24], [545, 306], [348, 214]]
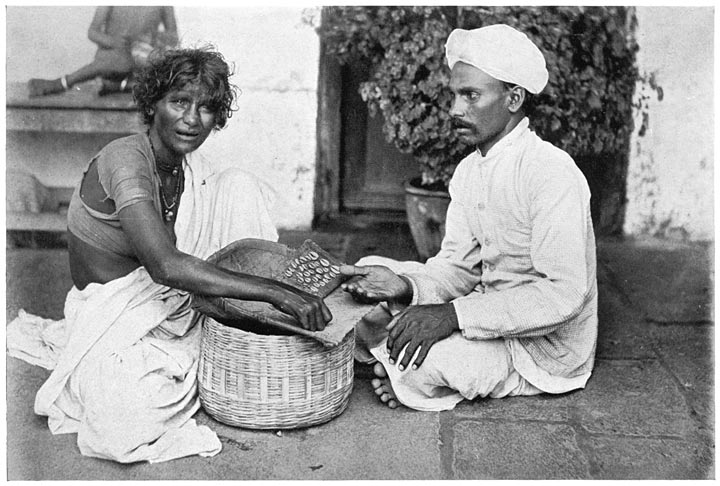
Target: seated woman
[[146, 214]]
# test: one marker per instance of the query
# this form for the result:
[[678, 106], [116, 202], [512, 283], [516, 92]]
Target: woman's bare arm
[[169, 266]]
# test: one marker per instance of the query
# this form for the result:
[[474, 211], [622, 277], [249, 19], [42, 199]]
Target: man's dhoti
[[454, 369], [125, 358]]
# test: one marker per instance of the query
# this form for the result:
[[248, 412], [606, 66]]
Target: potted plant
[[586, 108]]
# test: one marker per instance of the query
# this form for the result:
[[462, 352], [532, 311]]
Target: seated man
[[125, 35], [509, 304]]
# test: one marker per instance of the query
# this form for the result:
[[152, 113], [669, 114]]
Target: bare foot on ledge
[[42, 87]]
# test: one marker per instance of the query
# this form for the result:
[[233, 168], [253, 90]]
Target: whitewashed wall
[[276, 61], [670, 178]]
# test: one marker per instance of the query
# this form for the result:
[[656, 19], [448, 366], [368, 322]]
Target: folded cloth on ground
[[309, 268], [35, 340]]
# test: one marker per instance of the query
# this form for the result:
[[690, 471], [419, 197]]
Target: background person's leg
[[114, 65]]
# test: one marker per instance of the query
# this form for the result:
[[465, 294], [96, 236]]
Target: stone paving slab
[[356, 445], [527, 450], [635, 398], [368, 441], [622, 330], [669, 281], [688, 353], [549, 408], [647, 458]]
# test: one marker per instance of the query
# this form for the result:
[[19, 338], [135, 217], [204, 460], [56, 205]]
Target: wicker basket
[[272, 382]]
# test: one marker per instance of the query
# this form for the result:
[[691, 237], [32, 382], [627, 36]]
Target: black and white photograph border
[[312, 124]]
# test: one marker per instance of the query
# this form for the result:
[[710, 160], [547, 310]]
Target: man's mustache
[[460, 124]]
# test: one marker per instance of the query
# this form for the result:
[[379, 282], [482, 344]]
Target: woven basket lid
[[279, 262]]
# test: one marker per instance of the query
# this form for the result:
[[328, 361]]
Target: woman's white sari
[[125, 357]]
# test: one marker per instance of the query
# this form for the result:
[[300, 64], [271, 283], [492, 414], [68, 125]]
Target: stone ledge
[[77, 110]]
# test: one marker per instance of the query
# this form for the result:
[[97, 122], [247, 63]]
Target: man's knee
[[472, 368]]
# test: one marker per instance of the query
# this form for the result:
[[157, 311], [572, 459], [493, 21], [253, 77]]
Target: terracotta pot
[[426, 210]]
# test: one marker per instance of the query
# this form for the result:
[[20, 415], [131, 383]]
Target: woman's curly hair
[[173, 69]]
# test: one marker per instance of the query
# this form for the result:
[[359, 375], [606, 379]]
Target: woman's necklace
[[167, 208]]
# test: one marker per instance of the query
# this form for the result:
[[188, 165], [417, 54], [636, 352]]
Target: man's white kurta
[[518, 259]]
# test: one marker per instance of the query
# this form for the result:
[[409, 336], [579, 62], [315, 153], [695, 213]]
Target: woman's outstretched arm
[[169, 266]]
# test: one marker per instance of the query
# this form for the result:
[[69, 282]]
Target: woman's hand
[[375, 283], [309, 309]]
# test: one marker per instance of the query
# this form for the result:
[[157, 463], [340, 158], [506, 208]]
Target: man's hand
[[375, 283], [420, 327]]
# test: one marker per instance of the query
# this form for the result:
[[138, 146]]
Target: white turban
[[502, 52]]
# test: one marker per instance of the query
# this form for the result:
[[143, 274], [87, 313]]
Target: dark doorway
[[372, 170], [358, 172]]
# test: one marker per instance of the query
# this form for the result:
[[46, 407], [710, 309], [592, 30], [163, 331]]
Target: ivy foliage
[[586, 108]]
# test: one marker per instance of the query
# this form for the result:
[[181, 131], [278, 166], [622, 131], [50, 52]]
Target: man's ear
[[517, 98]]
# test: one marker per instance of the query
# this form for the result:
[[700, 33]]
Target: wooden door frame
[[328, 202], [328, 135]]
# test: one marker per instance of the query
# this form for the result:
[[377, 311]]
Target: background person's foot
[[381, 386], [42, 87], [110, 87]]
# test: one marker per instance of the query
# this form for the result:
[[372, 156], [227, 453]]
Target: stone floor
[[646, 413]]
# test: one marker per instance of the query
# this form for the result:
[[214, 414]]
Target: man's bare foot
[[42, 87], [382, 386]]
